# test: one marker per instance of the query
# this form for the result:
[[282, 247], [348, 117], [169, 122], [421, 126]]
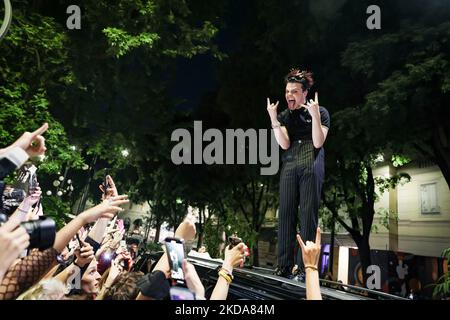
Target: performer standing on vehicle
[[301, 130]]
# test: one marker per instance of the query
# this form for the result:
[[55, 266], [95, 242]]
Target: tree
[[412, 89], [403, 81], [34, 60], [351, 187]]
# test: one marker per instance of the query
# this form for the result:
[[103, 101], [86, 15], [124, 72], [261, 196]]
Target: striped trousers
[[301, 181]]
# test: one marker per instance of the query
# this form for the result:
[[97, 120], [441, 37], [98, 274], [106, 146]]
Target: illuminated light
[[125, 153]]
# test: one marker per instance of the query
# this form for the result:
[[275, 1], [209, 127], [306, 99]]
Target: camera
[[42, 232]]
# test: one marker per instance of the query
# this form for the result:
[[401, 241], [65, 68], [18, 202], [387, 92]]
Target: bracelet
[[274, 126], [226, 270], [228, 277], [311, 267]]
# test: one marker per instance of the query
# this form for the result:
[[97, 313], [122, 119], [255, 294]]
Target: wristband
[[274, 126], [226, 270], [226, 275], [311, 267]]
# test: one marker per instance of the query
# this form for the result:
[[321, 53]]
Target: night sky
[[198, 76]]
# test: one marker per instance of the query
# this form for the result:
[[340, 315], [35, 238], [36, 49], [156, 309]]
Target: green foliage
[[34, 62], [384, 184], [153, 247], [442, 286], [232, 224], [236, 224], [107, 87], [57, 209], [121, 42], [385, 218], [399, 160], [213, 238]]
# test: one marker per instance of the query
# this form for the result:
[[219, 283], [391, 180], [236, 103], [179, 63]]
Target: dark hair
[[124, 286], [297, 76]]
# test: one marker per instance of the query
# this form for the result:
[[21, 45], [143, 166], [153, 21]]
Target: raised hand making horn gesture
[[310, 251], [311, 255], [313, 107], [272, 110]]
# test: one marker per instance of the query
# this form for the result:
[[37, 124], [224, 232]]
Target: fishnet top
[[26, 273]]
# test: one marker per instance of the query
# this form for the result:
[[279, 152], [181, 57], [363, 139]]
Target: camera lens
[[42, 232]]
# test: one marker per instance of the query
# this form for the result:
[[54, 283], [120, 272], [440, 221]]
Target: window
[[428, 198]]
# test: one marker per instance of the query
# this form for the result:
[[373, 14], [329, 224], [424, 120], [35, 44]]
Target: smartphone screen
[[179, 293], [175, 254]]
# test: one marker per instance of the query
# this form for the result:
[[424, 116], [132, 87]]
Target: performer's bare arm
[[281, 134], [319, 132]]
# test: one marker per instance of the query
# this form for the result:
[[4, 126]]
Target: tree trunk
[[255, 251], [201, 220], [364, 257], [84, 196], [158, 232]]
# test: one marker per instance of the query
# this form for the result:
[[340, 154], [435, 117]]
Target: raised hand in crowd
[[106, 209], [24, 212], [186, 230], [111, 190], [13, 240], [34, 196], [311, 255], [193, 282], [33, 143], [161, 272], [233, 257], [97, 233], [84, 255], [310, 251]]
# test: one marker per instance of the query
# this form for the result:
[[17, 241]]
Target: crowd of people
[[88, 258]]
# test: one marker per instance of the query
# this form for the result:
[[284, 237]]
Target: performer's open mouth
[[291, 104]]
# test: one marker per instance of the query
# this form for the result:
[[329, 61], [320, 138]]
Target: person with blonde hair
[[49, 289]]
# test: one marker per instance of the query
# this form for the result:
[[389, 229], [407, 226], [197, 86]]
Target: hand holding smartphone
[[233, 241], [180, 293], [176, 254]]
